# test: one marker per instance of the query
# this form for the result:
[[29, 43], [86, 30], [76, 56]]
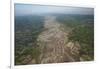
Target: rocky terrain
[[54, 45]]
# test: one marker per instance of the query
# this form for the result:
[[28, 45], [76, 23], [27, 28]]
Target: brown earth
[[54, 44]]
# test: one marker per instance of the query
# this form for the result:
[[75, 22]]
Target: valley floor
[[54, 45]]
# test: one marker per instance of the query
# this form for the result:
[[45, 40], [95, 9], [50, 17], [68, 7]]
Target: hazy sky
[[26, 9]]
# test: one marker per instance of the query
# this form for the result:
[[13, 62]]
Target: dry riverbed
[[54, 45]]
